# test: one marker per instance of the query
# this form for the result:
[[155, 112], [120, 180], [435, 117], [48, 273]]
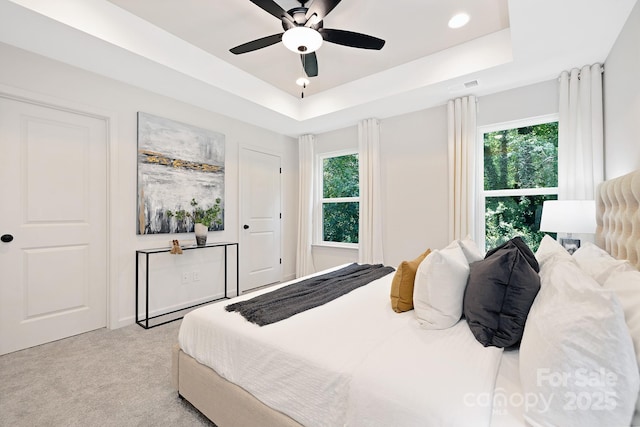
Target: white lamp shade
[[302, 40], [569, 216]]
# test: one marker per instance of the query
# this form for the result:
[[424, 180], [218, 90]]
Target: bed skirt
[[223, 402]]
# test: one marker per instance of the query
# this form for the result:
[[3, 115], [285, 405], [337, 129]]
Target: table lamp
[[569, 216]]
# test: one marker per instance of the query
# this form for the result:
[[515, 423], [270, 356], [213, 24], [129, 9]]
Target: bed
[[357, 362]]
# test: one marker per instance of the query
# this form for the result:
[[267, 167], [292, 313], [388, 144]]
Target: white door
[[53, 273], [260, 219]]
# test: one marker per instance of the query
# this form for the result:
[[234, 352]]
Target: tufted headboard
[[618, 217]]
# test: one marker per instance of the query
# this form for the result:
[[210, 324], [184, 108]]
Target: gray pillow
[[499, 294]]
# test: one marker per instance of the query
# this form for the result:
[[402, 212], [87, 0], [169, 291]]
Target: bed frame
[[226, 404], [223, 402]]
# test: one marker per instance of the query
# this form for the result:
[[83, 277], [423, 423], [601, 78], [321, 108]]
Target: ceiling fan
[[304, 32]]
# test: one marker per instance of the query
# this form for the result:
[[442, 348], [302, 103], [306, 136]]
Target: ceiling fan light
[[302, 40]]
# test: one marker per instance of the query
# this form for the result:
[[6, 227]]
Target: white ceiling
[[413, 29], [180, 48]]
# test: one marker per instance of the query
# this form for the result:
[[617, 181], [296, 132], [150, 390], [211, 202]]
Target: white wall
[[413, 149], [622, 100], [535, 100], [43, 77], [341, 139]]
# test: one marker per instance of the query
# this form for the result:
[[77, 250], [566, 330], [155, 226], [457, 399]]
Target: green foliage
[[340, 179], [521, 158], [340, 222], [518, 158], [507, 217], [210, 216]]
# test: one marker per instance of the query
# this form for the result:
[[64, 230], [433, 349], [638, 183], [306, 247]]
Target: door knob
[[245, 226], [6, 238]]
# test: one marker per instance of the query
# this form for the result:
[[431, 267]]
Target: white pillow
[[626, 285], [598, 263], [550, 249], [470, 250], [577, 362], [439, 287]]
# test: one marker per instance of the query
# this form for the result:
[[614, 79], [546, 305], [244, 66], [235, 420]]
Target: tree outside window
[[520, 171], [340, 185]]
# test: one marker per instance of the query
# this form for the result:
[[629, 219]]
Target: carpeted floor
[[101, 378]]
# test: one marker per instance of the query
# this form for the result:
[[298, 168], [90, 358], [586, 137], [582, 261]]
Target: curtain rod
[[580, 70]]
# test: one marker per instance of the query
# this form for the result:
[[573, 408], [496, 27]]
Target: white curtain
[[461, 119], [304, 257], [580, 133], [370, 231]]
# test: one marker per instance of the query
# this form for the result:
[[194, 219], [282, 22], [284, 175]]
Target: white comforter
[[351, 362]]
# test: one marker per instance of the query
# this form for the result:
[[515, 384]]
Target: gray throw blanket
[[309, 293]]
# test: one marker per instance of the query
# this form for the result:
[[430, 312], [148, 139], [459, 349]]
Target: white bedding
[[348, 362], [425, 378], [508, 399]]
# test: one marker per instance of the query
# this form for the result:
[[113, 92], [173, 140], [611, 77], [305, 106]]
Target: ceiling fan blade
[[351, 39], [310, 64], [272, 7], [321, 8], [257, 44]]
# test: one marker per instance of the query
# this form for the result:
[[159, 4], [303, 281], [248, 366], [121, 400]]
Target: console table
[[161, 319]]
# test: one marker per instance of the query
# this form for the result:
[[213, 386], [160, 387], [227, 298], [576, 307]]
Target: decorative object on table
[[569, 216], [203, 219], [177, 163], [175, 248], [201, 232]]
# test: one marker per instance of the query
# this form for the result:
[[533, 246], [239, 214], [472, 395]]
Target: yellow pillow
[[402, 284]]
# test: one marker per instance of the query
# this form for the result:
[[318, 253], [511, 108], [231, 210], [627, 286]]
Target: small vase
[[201, 231]]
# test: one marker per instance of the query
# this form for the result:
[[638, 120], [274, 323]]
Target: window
[[339, 191], [519, 171]]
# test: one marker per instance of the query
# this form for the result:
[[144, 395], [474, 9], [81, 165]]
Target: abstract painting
[[177, 165]]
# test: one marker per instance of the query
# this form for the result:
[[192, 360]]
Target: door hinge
[[280, 215], [280, 170], [280, 260]]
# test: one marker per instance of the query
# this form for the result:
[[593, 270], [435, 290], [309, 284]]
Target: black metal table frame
[[145, 321]]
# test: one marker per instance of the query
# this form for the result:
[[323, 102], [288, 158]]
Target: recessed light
[[302, 81], [459, 20]]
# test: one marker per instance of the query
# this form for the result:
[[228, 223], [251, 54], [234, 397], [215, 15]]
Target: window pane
[[525, 157], [340, 222], [340, 176], [508, 217]]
